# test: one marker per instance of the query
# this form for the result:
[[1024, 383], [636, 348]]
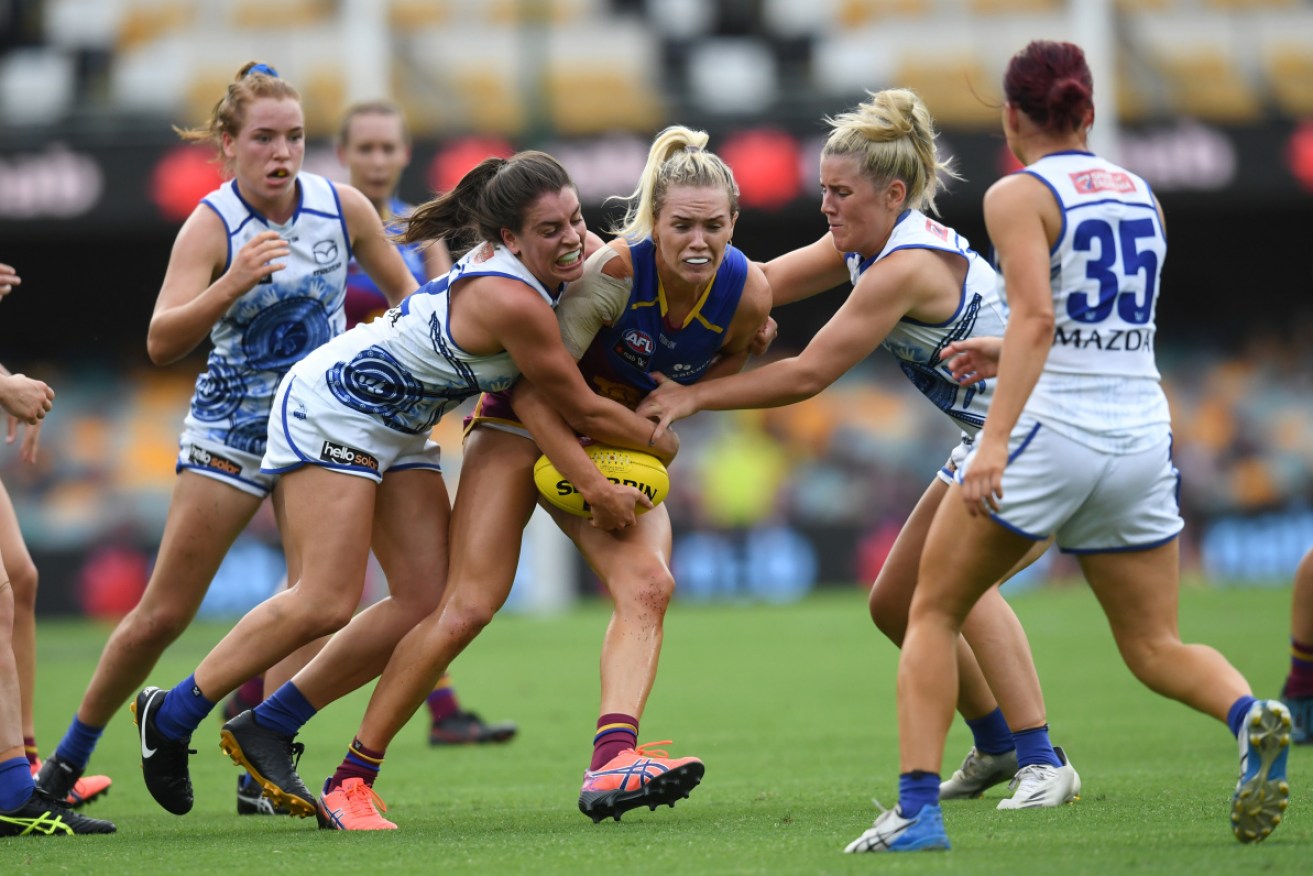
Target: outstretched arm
[[876, 304], [806, 271]]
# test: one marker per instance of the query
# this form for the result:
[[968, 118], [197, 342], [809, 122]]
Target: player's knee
[[23, 579], [160, 625], [888, 613], [648, 588], [463, 620]]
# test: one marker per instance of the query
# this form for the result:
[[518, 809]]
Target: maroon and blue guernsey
[[364, 300], [620, 361]]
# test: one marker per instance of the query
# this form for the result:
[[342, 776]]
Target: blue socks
[[915, 790], [1235, 716], [183, 710], [991, 734], [78, 743], [15, 783], [1033, 747], [286, 711]]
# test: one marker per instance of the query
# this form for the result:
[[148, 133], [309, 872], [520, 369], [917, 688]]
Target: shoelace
[[1034, 773], [363, 801], [647, 750]]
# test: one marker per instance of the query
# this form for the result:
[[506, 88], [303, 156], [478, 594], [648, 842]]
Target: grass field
[[791, 707]]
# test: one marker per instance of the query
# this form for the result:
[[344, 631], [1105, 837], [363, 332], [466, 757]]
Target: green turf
[[792, 709]]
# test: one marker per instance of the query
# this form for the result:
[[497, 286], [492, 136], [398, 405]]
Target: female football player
[[1077, 446], [917, 286], [670, 292], [259, 267], [348, 434]]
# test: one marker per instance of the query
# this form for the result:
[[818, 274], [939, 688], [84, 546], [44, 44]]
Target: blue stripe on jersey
[[341, 217], [227, 259], [1062, 209]]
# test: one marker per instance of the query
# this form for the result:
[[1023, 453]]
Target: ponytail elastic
[[263, 68]]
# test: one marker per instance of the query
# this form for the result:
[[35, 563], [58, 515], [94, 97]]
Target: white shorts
[[1092, 502], [310, 427], [214, 459]]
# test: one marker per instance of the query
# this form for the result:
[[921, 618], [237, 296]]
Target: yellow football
[[631, 467]]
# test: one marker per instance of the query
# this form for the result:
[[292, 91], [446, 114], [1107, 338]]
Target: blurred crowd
[[852, 462]]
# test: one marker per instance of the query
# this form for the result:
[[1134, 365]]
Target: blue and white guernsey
[[279, 320], [918, 345], [1100, 384], [404, 369]]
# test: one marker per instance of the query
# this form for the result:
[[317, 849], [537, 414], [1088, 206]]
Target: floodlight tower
[[1095, 23]]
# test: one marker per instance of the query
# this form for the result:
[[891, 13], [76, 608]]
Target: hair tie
[[263, 68], [691, 148]]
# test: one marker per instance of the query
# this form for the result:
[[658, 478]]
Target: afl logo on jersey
[[639, 342], [325, 251]]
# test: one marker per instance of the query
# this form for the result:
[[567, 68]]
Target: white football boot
[[978, 772], [1040, 785]]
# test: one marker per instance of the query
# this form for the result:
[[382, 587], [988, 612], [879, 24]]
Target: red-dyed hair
[[1051, 83]]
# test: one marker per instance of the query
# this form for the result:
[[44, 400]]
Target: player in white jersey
[[1077, 445], [348, 435], [373, 143], [259, 267], [917, 287]]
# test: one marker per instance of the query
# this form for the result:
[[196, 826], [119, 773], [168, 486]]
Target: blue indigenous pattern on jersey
[[620, 361], [405, 369], [364, 300], [279, 320], [918, 345]]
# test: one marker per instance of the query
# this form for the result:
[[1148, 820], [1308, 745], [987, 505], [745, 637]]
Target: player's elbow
[[160, 350]]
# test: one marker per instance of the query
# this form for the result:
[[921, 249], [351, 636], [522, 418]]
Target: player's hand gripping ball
[[629, 467]]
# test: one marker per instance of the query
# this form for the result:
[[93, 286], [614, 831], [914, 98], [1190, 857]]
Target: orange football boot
[[640, 776], [83, 790], [352, 805]]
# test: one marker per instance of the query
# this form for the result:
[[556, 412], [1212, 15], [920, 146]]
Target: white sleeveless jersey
[[918, 345], [279, 320], [1100, 384], [404, 369]]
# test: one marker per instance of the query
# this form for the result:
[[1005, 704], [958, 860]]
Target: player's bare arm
[[807, 271], [197, 291], [516, 317]]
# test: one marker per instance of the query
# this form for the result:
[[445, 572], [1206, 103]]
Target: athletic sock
[[1235, 716], [1299, 683], [1034, 747], [15, 783], [360, 763], [615, 733], [31, 751], [915, 790], [286, 711], [991, 733], [78, 743], [183, 710], [442, 701]]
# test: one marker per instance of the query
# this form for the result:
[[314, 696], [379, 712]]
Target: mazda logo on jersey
[[325, 251]]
